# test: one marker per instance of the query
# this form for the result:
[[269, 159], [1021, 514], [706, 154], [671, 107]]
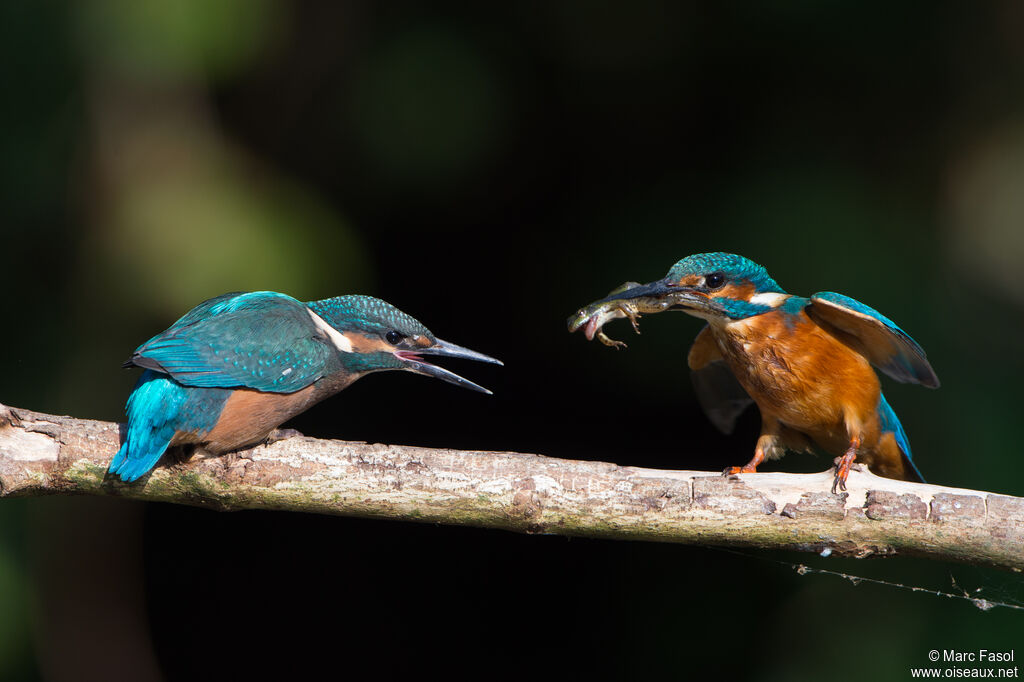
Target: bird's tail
[[153, 409], [890, 422]]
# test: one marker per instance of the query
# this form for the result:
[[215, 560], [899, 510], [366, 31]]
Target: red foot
[[843, 465], [745, 469], [748, 468]]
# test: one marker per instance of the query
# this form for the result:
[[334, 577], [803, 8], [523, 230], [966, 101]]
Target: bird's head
[[714, 286], [372, 335]]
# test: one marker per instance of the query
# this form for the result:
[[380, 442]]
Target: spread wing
[[721, 396], [261, 340], [874, 336]]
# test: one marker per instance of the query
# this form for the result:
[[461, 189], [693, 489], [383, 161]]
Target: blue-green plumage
[[262, 340], [737, 268], [806, 362], [891, 424], [355, 312], [738, 309], [158, 408], [873, 334], [238, 365]]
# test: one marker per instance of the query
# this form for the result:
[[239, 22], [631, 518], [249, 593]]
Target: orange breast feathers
[[799, 374], [248, 416]]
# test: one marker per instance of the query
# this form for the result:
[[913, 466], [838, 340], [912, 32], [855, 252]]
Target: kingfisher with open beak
[[237, 366], [806, 362]]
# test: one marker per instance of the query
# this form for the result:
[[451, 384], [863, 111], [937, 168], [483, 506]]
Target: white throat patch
[[770, 298], [339, 340]]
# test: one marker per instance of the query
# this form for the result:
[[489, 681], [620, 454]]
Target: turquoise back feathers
[[269, 341], [261, 340], [157, 408]]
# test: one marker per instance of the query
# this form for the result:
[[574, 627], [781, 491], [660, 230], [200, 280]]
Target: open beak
[[681, 297], [414, 363]]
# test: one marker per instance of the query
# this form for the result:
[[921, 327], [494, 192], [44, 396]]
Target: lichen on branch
[[44, 454]]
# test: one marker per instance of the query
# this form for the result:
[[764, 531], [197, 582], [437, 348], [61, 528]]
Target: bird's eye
[[715, 280], [393, 337]]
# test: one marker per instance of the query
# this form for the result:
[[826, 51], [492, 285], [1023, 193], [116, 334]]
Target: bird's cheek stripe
[[360, 343], [688, 281], [340, 341], [740, 292], [772, 299]]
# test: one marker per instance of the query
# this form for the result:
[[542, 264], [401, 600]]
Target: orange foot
[[750, 467], [843, 465], [745, 469]]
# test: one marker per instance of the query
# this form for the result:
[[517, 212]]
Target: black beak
[[657, 289], [414, 363], [682, 297]]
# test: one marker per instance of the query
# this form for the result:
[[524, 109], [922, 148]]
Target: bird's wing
[[261, 340], [887, 418], [874, 336], [721, 396]]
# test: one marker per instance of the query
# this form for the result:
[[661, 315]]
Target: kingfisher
[[239, 365], [806, 362]]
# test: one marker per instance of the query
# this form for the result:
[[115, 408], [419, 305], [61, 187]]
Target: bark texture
[[45, 454]]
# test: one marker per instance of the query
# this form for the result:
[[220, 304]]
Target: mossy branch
[[43, 454]]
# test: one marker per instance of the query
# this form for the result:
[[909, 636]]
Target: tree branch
[[44, 454]]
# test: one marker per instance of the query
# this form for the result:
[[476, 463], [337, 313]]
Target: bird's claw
[[843, 466]]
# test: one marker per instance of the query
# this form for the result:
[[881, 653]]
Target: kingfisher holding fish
[[806, 362]]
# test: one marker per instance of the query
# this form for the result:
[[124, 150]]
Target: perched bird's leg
[[768, 446], [844, 463], [751, 466]]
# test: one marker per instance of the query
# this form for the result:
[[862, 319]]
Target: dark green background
[[489, 168]]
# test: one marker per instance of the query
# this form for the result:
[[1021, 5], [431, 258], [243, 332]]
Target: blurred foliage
[[256, 231], [488, 168], [987, 211], [168, 41]]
